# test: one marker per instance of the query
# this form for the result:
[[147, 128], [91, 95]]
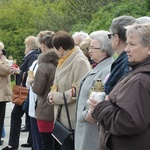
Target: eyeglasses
[[110, 35], [94, 48]]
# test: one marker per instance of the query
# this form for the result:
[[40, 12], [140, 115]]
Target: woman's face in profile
[[135, 50], [95, 51]]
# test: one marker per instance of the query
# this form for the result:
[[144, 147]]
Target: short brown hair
[[63, 39]]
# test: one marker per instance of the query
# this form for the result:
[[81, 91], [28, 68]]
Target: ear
[[61, 50], [116, 39]]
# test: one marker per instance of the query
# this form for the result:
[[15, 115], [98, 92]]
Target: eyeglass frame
[[96, 48], [110, 35]]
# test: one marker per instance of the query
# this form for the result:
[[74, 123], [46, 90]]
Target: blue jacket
[[118, 69]]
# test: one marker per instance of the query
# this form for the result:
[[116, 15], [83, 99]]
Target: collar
[[61, 60]]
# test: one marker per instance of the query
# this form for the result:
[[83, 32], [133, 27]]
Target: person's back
[[118, 36]]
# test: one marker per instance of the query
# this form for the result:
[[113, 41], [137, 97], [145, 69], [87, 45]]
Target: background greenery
[[21, 18]]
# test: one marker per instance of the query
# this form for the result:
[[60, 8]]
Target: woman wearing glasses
[[100, 51]]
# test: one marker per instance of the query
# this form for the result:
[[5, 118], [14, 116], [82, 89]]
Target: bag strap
[[58, 114], [67, 112], [23, 75]]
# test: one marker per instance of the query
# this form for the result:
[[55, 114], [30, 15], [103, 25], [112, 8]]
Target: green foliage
[[102, 19], [21, 18]]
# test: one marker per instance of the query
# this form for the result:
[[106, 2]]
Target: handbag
[[20, 93], [63, 135]]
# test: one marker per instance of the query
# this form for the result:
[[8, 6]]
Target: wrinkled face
[[135, 50], [95, 51]]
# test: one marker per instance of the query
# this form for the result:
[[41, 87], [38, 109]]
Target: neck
[[66, 52], [121, 48], [101, 59]]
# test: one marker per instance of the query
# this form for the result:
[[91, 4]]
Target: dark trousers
[[27, 120], [2, 116], [15, 126], [36, 139], [47, 141]]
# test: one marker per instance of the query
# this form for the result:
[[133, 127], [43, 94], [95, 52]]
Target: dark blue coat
[[118, 69], [26, 63]]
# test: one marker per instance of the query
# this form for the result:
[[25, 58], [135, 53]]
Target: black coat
[[24, 67]]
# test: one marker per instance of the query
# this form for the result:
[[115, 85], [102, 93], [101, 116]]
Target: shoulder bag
[[20, 93], [63, 135]]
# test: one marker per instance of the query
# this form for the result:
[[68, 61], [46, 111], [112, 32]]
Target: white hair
[[82, 34], [144, 19], [1, 45]]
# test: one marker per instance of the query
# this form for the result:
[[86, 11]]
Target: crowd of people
[[64, 64]]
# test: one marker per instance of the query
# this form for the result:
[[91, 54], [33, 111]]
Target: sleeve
[[4, 69], [40, 80], [80, 68], [129, 115]]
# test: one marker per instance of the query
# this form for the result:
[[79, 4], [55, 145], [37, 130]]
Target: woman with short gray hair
[[100, 51]]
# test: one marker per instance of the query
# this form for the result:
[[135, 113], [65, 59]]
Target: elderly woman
[[31, 54], [72, 66], [124, 118], [100, 51]]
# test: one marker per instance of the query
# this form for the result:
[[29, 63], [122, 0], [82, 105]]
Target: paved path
[[23, 135]]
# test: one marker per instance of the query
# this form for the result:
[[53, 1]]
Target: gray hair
[[82, 35], [102, 37], [31, 41], [143, 30], [118, 24], [144, 19]]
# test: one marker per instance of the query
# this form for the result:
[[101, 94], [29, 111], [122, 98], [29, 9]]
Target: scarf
[[61, 60]]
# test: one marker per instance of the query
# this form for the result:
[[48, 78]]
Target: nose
[[127, 48]]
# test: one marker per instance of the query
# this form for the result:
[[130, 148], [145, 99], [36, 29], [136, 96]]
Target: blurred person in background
[[84, 46], [31, 54], [5, 87], [80, 36]]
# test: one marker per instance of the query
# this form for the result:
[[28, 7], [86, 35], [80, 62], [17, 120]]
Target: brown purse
[[20, 93]]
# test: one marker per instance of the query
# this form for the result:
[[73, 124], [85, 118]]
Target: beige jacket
[[69, 74], [5, 88]]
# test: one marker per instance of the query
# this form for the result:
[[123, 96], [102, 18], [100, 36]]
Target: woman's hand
[[30, 80], [89, 118], [14, 70], [92, 104], [50, 98]]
